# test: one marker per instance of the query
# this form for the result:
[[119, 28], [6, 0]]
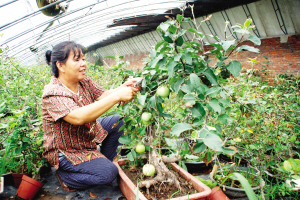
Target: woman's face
[[75, 67]]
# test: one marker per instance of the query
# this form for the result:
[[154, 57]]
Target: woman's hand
[[132, 81], [126, 94]]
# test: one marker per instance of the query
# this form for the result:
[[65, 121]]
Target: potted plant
[[24, 146], [231, 186], [182, 68]]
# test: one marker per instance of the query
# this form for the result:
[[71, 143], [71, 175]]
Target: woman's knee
[[107, 175]]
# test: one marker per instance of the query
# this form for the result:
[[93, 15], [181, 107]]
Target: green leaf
[[224, 118], [179, 128], [225, 102], [195, 81], [234, 67], [159, 108], [211, 76], [177, 85], [219, 128], [191, 157], [155, 61], [248, 48], [199, 147], [130, 156], [287, 166], [246, 186], [167, 38], [172, 29], [214, 103], [189, 98], [164, 26], [188, 59], [170, 143], [187, 88], [3, 126], [254, 39], [211, 91], [213, 142], [25, 139], [227, 44], [142, 99], [248, 22], [195, 31], [158, 45], [152, 102], [125, 139], [197, 110], [179, 18], [228, 151], [112, 57], [179, 41], [177, 57], [171, 66], [152, 53]]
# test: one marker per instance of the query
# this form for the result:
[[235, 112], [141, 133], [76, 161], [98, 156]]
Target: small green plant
[[208, 183]]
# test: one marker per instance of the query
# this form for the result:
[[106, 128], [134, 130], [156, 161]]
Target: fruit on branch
[[146, 116], [140, 148], [163, 91], [148, 170]]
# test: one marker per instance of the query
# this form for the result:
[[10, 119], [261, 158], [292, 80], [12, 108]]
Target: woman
[[72, 104]]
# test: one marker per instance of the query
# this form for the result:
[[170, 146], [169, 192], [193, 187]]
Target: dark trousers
[[97, 171]]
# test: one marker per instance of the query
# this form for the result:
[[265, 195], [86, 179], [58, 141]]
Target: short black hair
[[61, 53]]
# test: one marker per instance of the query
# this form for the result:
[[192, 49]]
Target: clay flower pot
[[28, 188], [18, 178], [217, 194], [129, 189]]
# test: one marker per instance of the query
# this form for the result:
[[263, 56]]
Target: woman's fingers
[[131, 81], [128, 93]]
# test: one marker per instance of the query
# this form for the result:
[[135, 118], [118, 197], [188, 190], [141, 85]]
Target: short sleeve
[[59, 106], [95, 89]]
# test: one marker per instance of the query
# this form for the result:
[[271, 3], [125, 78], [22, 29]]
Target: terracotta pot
[[28, 188], [129, 189], [217, 194], [18, 178]]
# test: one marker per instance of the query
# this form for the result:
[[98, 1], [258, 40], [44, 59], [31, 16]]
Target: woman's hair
[[61, 53]]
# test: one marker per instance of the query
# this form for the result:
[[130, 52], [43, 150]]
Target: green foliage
[[20, 116], [208, 183]]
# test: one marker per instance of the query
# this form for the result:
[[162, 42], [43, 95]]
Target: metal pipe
[[5, 4], [31, 14], [68, 21], [90, 21]]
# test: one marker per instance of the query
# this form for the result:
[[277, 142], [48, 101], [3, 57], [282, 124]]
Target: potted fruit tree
[[182, 69]]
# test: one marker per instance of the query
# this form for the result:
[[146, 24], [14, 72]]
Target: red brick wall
[[283, 57]]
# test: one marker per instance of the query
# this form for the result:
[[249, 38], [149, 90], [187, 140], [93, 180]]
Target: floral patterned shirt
[[75, 142]]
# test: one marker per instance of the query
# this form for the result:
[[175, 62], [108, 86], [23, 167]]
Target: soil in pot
[[160, 191]]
